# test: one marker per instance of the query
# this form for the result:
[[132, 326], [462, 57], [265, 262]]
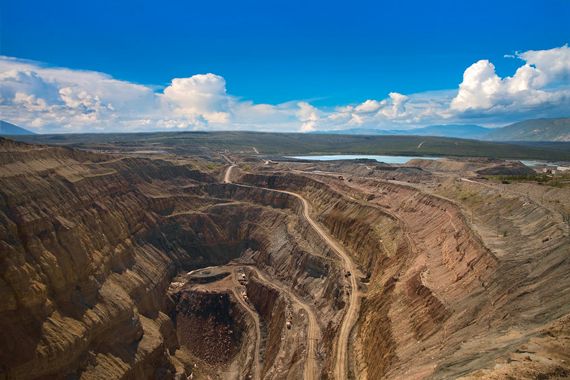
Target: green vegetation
[[558, 180], [296, 143]]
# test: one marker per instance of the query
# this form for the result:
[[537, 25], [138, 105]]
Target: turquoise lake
[[385, 159]]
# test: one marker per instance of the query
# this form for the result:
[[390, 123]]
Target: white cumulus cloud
[[202, 95], [483, 90], [308, 115], [51, 99]]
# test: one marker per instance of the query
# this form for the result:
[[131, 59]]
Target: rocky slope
[[82, 261], [435, 292], [90, 244], [96, 249]]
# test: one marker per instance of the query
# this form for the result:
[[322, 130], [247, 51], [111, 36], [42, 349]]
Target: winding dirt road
[[228, 173], [255, 317], [351, 314], [313, 330], [340, 370]]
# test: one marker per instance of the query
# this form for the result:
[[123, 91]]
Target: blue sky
[[325, 54]]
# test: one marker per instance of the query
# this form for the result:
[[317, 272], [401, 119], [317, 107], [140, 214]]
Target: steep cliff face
[[209, 325], [274, 311], [79, 264]]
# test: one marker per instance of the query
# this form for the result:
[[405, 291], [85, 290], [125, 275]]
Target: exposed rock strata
[[90, 243]]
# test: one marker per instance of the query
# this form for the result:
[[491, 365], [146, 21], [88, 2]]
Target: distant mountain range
[[533, 130], [529, 130], [7, 129], [456, 130]]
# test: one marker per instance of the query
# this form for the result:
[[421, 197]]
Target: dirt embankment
[[481, 166], [357, 168]]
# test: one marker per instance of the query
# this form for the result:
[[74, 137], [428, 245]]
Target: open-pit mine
[[143, 260]]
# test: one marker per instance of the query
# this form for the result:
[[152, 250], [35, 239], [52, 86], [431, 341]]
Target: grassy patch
[[557, 180]]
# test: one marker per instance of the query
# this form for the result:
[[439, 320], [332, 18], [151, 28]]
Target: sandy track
[[228, 173], [351, 314]]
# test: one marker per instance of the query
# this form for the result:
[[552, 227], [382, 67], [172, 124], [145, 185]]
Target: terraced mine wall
[[104, 248], [77, 271], [414, 292], [437, 286], [89, 245]]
